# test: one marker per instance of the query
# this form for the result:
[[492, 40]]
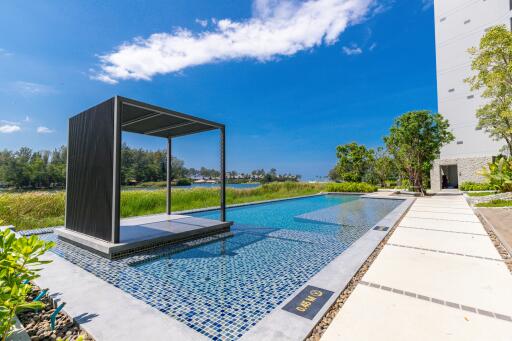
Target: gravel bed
[[37, 324], [487, 198]]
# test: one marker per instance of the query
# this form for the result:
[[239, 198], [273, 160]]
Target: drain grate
[[381, 228]]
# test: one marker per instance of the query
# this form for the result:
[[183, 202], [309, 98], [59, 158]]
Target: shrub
[[475, 186], [361, 187], [19, 262], [499, 174], [183, 182]]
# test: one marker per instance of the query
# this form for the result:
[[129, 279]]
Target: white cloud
[[426, 4], [372, 46], [9, 128], [277, 28], [30, 88], [202, 22], [351, 50], [5, 53], [44, 130]]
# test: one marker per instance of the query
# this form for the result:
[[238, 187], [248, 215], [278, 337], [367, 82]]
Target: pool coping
[[335, 276]]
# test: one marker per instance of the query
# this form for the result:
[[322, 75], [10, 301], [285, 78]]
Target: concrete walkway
[[439, 277]]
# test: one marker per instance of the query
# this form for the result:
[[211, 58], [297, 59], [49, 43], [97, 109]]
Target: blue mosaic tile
[[222, 286]]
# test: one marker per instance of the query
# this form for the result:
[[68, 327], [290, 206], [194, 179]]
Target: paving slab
[[470, 244], [465, 280], [374, 314], [439, 277], [443, 225], [445, 216], [443, 209]]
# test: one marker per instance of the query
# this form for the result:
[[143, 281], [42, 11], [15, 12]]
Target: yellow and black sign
[[308, 302]]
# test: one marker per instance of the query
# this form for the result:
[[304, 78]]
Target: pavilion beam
[[223, 174], [169, 172]]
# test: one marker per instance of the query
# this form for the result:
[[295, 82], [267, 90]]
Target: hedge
[[361, 187]]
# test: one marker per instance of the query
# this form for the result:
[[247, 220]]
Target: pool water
[[223, 288]]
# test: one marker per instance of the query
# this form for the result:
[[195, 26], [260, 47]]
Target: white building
[[459, 25]]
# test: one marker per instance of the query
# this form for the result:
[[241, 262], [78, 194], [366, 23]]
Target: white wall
[[459, 25]]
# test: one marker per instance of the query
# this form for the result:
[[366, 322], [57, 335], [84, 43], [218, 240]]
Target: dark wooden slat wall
[[90, 171]]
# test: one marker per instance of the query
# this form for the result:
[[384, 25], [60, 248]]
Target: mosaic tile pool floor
[[222, 286]]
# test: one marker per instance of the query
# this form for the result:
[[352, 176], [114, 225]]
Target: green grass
[[480, 194], [30, 210], [475, 186], [495, 203]]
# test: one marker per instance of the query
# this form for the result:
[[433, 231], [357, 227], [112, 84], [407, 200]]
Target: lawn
[[480, 194], [30, 210], [496, 203]]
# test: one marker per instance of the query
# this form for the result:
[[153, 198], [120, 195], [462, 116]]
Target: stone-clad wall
[[468, 169]]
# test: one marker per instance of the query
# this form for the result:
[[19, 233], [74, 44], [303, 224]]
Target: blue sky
[[290, 79]]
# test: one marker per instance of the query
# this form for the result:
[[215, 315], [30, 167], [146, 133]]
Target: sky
[[290, 79]]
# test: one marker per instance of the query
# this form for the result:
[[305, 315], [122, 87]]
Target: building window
[[468, 21], [460, 142], [451, 90], [471, 96]]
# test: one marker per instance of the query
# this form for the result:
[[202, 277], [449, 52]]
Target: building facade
[[459, 25]]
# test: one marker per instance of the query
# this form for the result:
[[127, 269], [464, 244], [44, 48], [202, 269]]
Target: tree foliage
[[354, 161], [27, 169], [499, 174], [492, 63], [359, 163], [383, 168], [415, 140]]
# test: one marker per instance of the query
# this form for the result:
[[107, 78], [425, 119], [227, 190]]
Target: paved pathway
[[439, 277]]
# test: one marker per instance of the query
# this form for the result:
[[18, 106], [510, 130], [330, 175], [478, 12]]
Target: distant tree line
[[28, 169], [25, 168]]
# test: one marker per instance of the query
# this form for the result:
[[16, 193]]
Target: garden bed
[[37, 324]]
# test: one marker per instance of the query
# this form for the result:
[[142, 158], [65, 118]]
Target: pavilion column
[[169, 161], [223, 174]]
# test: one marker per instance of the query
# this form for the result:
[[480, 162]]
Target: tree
[[354, 161], [415, 140], [492, 62], [384, 167]]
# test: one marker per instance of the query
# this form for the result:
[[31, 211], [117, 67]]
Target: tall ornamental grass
[[32, 209], [42, 209]]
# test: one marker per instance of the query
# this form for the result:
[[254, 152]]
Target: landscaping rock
[[37, 324]]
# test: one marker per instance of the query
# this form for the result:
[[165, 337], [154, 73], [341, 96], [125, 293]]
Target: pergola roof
[[143, 118]]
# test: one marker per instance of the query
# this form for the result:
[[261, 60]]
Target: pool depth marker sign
[[308, 302]]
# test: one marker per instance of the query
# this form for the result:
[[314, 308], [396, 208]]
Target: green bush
[[19, 264], [475, 186], [183, 182], [499, 174], [360, 187]]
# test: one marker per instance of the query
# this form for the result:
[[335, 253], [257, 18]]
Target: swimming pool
[[224, 286]]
